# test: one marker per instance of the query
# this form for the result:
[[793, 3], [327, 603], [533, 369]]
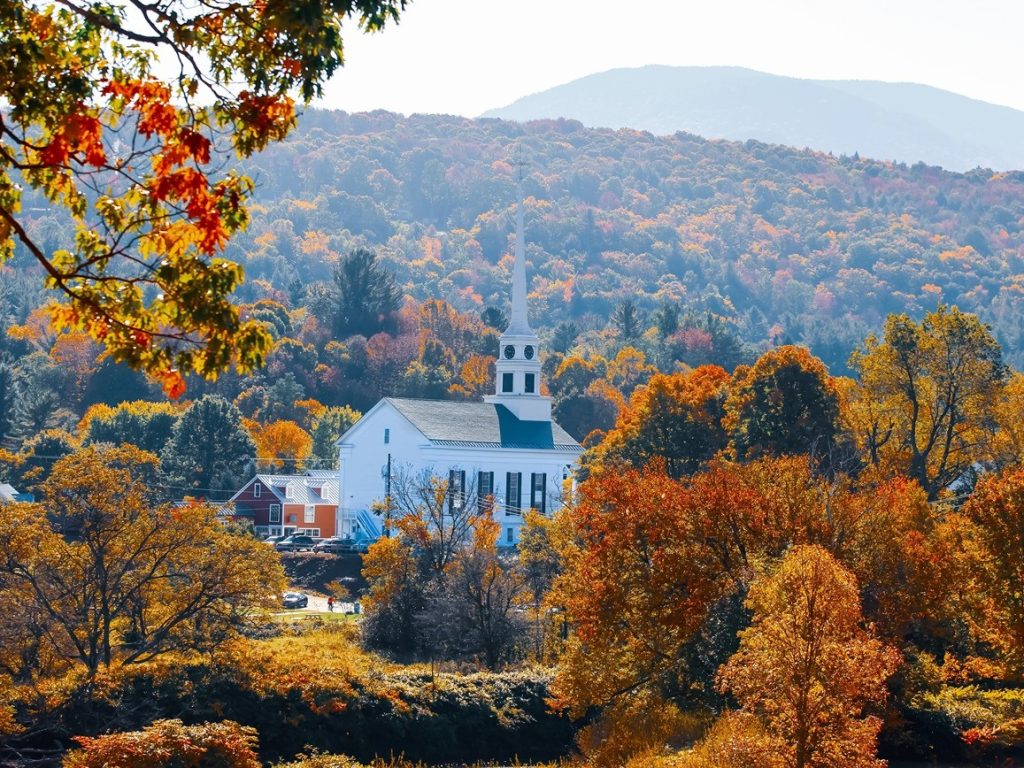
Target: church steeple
[[517, 372], [520, 322]]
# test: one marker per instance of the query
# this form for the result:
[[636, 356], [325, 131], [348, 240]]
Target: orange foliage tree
[[281, 444], [649, 585], [675, 417], [807, 668], [785, 403], [134, 159], [989, 528]]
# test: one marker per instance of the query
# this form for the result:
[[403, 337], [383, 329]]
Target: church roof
[[480, 425]]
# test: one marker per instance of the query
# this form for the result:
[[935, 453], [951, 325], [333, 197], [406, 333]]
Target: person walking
[[330, 604]]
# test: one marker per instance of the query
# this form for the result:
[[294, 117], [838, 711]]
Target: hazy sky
[[466, 56]]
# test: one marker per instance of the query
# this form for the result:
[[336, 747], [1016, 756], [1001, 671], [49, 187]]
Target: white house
[[506, 447]]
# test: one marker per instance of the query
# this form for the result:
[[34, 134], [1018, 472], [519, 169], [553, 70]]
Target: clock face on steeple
[[510, 352], [528, 352]]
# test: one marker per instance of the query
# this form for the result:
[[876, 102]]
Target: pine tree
[[328, 428], [367, 297], [37, 410], [8, 397], [209, 452], [627, 320]]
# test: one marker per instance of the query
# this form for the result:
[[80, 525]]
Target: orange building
[[286, 504]]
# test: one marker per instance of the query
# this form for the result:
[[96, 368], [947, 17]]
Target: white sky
[[466, 56]]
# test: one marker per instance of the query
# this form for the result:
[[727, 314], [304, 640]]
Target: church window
[[513, 494], [510, 535], [387, 436], [456, 490], [484, 490], [529, 383], [538, 492], [506, 382]]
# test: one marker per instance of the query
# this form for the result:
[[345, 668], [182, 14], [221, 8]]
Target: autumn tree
[[478, 605], [281, 445], [675, 417], [989, 528], [1008, 447], [134, 160], [807, 668], [366, 295], [785, 403], [396, 595], [209, 451], [935, 385], [649, 586], [539, 564], [117, 578]]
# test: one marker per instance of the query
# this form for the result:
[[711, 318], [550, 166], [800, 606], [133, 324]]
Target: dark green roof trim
[[444, 422]]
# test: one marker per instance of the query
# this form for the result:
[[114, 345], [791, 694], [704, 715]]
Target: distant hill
[[905, 122]]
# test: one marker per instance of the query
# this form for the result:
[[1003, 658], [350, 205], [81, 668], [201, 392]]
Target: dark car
[[335, 544], [295, 600], [295, 543]]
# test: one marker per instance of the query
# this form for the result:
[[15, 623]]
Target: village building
[[276, 505], [505, 451]]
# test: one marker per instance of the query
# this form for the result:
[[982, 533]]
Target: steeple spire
[[520, 323], [517, 370]]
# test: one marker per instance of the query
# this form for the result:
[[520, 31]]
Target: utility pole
[[387, 501]]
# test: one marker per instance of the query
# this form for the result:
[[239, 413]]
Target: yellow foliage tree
[[113, 578], [806, 667], [934, 387], [281, 444], [1009, 419]]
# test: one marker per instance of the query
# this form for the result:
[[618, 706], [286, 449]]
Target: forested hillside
[[786, 244], [378, 254]]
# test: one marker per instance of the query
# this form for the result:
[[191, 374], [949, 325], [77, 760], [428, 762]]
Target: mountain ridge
[[904, 122]]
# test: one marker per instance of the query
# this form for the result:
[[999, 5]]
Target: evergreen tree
[[564, 338], [367, 297], [494, 318], [35, 411], [627, 320], [209, 452], [331, 425], [667, 319], [8, 396]]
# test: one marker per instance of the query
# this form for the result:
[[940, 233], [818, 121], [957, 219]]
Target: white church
[[506, 448]]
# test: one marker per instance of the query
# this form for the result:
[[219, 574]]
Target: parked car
[[275, 539], [294, 543], [295, 600], [335, 544]]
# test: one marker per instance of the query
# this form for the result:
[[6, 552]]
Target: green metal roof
[[480, 425]]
